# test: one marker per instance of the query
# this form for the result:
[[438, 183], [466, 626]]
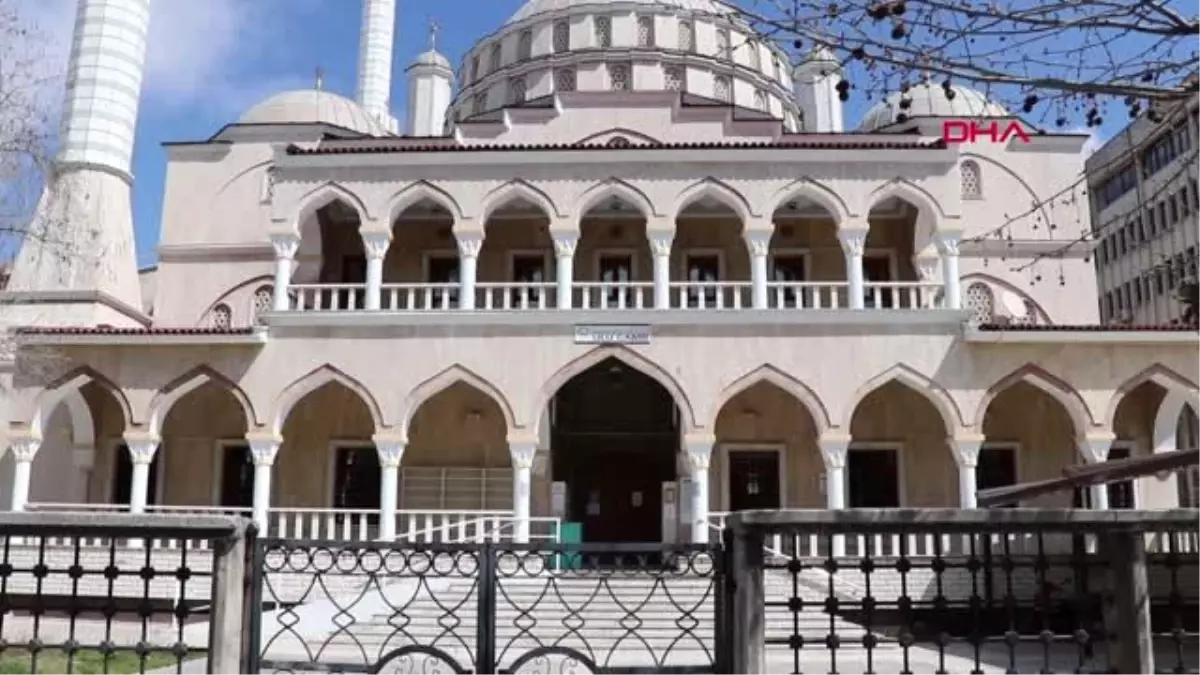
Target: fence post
[[228, 589], [748, 621], [1127, 616]]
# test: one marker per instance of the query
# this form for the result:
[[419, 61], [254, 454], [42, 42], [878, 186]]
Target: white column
[[286, 244], [660, 248], [966, 456], [564, 251], [375, 244], [523, 453], [833, 453], [24, 449], [141, 453], [697, 452], [263, 450], [758, 242], [854, 242], [947, 243], [391, 451], [1094, 449], [469, 244]]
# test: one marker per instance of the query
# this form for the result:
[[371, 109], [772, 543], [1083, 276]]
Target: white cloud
[[198, 50]]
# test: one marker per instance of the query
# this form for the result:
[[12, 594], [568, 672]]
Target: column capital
[[966, 449], [469, 243], [660, 241], [947, 241], [390, 450], [926, 266], [834, 448], [697, 451], [853, 239], [565, 242], [285, 244], [376, 241], [523, 452], [263, 448], [758, 241], [142, 446], [1094, 446], [24, 447]]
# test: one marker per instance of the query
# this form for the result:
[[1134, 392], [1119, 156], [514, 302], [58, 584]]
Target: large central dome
[[534, 7]]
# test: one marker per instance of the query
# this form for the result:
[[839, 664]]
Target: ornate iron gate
[[329, 606]]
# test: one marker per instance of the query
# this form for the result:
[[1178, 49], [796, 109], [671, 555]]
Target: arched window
[[516, 90], [604, 31], [564, 79], [494, 59], [972, 186], [618, 142], [724, 51], [562, 36], [264, 297], [645, 31], [673, 78], [525, 45], [760, 100], [618, 77], [981, 303], [221, 317], [723, 88], [687, 36], [755, 55]]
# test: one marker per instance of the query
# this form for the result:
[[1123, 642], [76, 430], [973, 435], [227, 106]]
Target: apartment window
[[494, 59], [516, 90], [618, 77], [1162, 215], [525, 45], [1195, 192], [564, 79], [1159, 282], [687, 36], [970, 180], [1173, 207], [724, 51], [1185, 208], [604, 31], [673, 76], [1191, 261], [1107, 307], [562, 36], [723, 89], [221, 317], [1112, 189], [1162, 152], [645, 36]]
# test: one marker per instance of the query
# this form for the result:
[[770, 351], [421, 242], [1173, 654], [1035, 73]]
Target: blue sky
[[210, 60]]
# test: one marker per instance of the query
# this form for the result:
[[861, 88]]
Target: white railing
[[624, 295]]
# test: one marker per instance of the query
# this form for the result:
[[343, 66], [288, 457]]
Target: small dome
[[535, 7], [929, 100], [432, 57], [313, 106]]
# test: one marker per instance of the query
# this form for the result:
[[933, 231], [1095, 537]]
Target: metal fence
[[487, 608], [92, 593], [931, 590]]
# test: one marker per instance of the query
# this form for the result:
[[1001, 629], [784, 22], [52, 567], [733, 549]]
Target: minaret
[[375, 60], [430, 88], [816, 80], [77, 264]]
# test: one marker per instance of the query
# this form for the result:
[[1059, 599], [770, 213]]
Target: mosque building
[[626, 265]]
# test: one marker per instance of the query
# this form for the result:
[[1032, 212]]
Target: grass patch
[[86, 661]]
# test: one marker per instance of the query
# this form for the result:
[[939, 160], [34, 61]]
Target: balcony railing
[[630, 295]]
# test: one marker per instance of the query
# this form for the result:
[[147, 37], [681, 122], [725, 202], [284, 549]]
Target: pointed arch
[[1159, 374], [768, 373], [918, 382], [815, 192], [624, 355], [418, 191], [516, 189], [315, 379], [1166, 419], [1074, 405], [324, 195], [69, 384], [447, 378], [83, 425], [614, 187], [1001, 284], [168, 396], [930, 209], [714, 189]]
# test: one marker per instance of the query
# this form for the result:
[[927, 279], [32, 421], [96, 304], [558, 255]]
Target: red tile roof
[[373, 146], [112, 330]]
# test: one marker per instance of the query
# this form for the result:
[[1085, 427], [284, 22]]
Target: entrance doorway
[[753, 479], [614, 433]]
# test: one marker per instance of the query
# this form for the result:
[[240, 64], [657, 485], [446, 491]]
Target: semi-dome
[[534, 7], [929, 99], [432, 57], [313, 106]]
